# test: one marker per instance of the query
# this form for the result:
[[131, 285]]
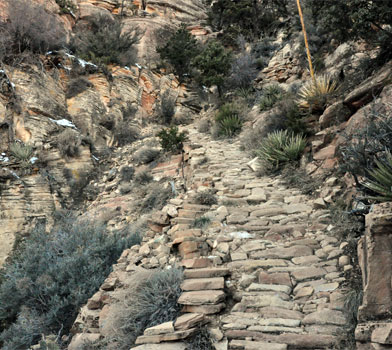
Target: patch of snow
[[3, 158], [33, 160], [63, 122], [81, 62], [138, 65], [241, 234], [14, 174], [96, 158]]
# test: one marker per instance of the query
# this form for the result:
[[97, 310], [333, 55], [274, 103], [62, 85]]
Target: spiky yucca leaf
[[271, 95], [281, 147], [229, 126], [381, 180], [21, 151], [314, 94]]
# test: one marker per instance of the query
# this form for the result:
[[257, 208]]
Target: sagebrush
[[52, 276]]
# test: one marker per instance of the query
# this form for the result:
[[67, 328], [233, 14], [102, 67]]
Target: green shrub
[[213, 64], [281, 147], [68, 143], [127, 173], [156, 196], [292, 116], [246, 17], [179, 51], [154, 302], [315, 94], [146, 155], [200, 340], [66, 6], [77, 86], [106, 42], [243, 68], [230, 126], [270, 95], [52, 276], [294, 176], [201, 222], [167, 107], [143, 178], [21, 151], [353, 20], [29, 27], [125, 133], [264, 49], [206, 198], [228, 120], [379, 180], [172, 140], [367, 144]]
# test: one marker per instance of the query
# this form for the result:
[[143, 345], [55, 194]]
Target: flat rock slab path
[[284, 269], [261, 266]]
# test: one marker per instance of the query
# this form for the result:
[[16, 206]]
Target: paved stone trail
[[263, 270], [284, 269]]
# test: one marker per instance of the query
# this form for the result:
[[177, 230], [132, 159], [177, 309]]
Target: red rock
[[187, 247], [296, 341], [188, 320], [203, 283], [375, 258], [201, 297], [275, 278], [383, 334], [196, 263], [206, 273], [325, 153], [204, 309]]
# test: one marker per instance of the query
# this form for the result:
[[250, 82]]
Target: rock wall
[[41, 111], [374, 330]]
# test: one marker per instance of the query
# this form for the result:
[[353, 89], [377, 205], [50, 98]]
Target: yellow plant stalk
[[306, 40], [314, 94]]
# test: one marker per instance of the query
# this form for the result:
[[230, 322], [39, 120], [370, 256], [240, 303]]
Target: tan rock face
[[375, 257]]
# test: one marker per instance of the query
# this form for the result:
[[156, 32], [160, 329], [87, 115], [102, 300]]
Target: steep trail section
[[261, 270], [286, 271]]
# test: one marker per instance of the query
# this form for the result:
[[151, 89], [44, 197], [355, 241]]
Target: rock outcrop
[[375, 255]]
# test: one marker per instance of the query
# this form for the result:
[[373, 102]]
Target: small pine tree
[[214, 64], [179, 50]]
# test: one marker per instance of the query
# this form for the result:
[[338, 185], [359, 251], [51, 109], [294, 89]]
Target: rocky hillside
[[221, 206]]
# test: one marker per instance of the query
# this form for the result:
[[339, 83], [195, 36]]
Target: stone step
[[186, 213], [202, 297], [197, 207], [294, 341], [206, 273], [196, 263], [188, 321], [155, 339], [203, 283], [255, 345], [183, 221], [204, 309]]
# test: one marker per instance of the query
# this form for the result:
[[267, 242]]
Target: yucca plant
[[314, 95], [21, 151], [380, 180], [271, 95], [229, 126], [281, 147], [228, 120]]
